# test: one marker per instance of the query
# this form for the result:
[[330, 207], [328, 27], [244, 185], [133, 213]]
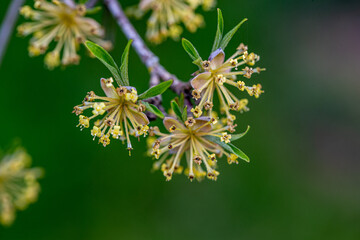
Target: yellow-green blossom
[[167, 16], [18, 184], [57, 22], [118, 115], [189, 140], [217, 74]]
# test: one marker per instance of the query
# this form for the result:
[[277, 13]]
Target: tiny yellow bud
[[212, 157], [196, 111], [172, 128], [233, 62], [205, 64], [116, 132], [225, 137], [240, 85], [83, 121], [99, 108], [95, 132], [105, 140], [190, 122], [220, 79], [108, 82]]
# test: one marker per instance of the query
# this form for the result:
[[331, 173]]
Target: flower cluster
[[190, 139], [57, 22], [119, 114], [217, 74], [198, 138], [18, 184], [167, 16]]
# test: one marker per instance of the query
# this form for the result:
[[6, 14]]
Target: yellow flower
[[57, 22], [167, 15], [18, 184], [232, 159], [225, 137], [217, 73], [196, 111], [191, 142], [190, 122], [120, 114]]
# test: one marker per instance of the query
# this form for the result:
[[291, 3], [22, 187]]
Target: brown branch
[[91, 3], [8, 25], [150, 60]]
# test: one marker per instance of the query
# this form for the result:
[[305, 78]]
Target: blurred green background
[[302, 182]]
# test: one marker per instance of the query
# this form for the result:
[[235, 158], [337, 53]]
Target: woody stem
[[150, 60], [8, 25]]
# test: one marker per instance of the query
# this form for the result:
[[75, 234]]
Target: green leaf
[[125, 63], [239, 153], [181, 101], [219, 31], [153, 109], [175, 107], [190, 49], [184, 114], [229, 147], [235, 137], [156, 90], [197, 62], [106, 59], [93, 10], [230, 35]]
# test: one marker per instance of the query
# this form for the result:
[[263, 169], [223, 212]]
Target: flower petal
[[201, 79], [145, 4], [200, 122], [213, 147], [140, 117], [109, 91], [170, 121], [216, 59]]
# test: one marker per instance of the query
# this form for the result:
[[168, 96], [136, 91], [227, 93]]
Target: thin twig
[[8, 25], [150, 60]]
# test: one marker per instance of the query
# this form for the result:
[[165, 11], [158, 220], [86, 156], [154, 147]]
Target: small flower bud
[[172, 128], [190, 122], [205, 65], [208, 105], [196, 94]]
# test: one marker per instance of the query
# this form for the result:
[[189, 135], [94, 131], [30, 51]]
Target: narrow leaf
[[240, 135], [184, 114], [156, 90], [175, 107], [190, 49], [219, 31], [106, 59], [230, 35], [181, 101], [229, 147], [125, 63], [239, 153], [197, 62], [153, 109]]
